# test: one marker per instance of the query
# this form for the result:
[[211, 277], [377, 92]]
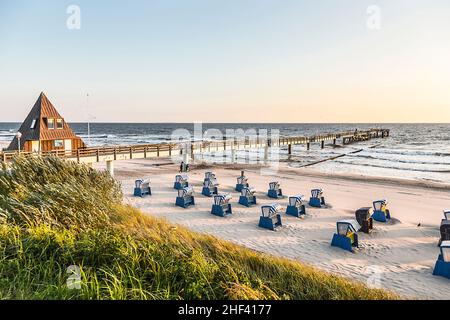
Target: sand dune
[[399, 255]]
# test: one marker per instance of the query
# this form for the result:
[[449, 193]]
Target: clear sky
[[228, 60]]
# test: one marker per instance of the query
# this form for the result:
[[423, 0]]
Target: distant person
[[181, 166]]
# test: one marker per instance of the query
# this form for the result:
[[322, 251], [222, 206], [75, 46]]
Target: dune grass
[[56, 214]]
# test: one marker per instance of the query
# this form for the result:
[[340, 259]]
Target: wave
[[409, 152], [390, 167], [399, 160]]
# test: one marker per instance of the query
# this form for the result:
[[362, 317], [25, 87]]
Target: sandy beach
[[399, 255]]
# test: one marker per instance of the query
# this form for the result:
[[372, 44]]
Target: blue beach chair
[[445, 227], [380, 211], [317, 199], [142, 188], [241, 182], [247, 197], [181, 181], [442, 266], [210, 185], [270, 217], [296, 207], [346, 236], [222, 205], [185, 197], [274, 190]]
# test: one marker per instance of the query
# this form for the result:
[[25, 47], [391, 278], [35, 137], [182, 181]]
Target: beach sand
[[398, 256]]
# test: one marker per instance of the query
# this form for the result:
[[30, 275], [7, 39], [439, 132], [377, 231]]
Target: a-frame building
[[45, 130]]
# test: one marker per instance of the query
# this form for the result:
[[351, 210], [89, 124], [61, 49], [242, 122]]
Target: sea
[[413, 151]]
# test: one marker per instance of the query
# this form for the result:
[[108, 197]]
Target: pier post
[[110, 167], [266, 152], [290, 149], [334, 141], [322, 144], [192, 151], [308, 146]]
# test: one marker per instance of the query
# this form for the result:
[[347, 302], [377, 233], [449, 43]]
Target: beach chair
[[274, 190], [296, 207], [222, 205], [442, 266], [317, 199], [185, 197], [142, 188], [364, 218], [241, 182], [346, 236], [247, 197], [381, 213], [181, 181], [210, 185], [445, 227], [270, 217]]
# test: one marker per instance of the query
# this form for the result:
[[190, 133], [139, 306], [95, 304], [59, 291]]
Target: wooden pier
[[113, 153]]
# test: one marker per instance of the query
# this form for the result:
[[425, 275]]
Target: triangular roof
[[42, 109]]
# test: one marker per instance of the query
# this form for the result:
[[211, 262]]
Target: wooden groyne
[[111, 153]]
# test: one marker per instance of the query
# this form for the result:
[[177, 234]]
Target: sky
[[228, 60]]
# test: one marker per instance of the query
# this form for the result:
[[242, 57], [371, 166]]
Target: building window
[[59, 124], [33, 124], [51, 124], [59, 143]]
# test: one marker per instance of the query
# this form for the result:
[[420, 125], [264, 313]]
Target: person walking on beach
[[181, 166]]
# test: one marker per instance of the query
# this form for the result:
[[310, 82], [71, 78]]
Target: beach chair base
[[317, 202], [275, 194], [246, 201], [296, 212], [380, 216], [139, 192], [181, 202], [209, 192], [270, 223], [221, 211], [344, 242], [240, 186], [442, 268], [179, 185]]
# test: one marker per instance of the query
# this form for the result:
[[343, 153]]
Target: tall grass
[[58, 214]]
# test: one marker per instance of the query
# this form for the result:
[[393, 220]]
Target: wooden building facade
[[44, 129]]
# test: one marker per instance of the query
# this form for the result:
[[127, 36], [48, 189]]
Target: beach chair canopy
[[181, 178], [274, 185], [270, 210], [247, 192], [185, 192], [316, 193], [346, 226], [296, 200], [445, 250], [447, 214], [222, 199], [242, 180], [379, 204], [140, 182], [209, 183], [210, 175]]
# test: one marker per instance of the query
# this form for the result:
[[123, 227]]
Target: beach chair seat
[[221, 206], [247, 197], [185, 197], [242, 182], [380, 211], [317, 199], [346, 236], [442, 266], [181, 181], [364, 218], [296, 207], [270, 216], [210, 185], [142, 188], [274, 190]]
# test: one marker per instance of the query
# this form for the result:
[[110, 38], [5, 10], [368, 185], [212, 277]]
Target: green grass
[[55, 214]]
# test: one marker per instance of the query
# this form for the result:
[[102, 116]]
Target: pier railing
[[110, 153]]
